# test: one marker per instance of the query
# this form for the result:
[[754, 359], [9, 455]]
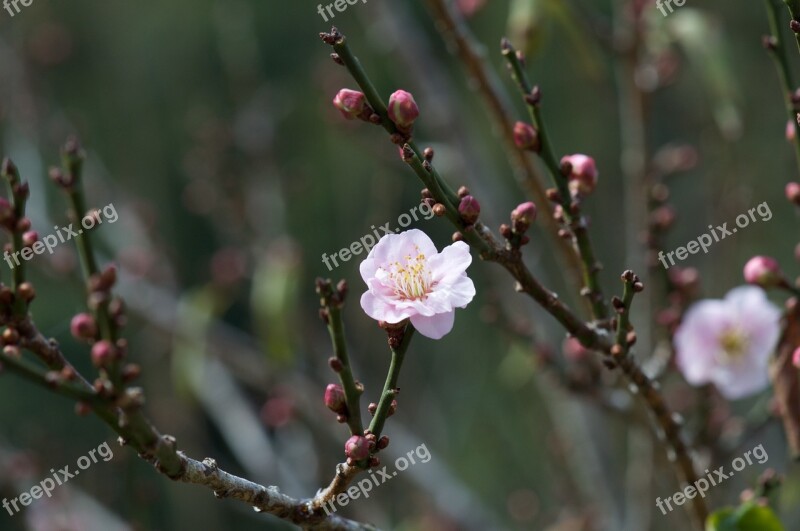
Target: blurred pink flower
[[407, 278], [728, 342], [470, 7]]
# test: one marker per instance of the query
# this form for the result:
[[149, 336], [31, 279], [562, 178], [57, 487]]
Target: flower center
[[734, 342], [412, 280]]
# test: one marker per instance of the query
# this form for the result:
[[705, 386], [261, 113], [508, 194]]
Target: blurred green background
[[209, 126]]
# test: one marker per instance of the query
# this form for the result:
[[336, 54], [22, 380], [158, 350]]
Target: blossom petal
[[435, 326], [379, 310], [457, 294], [450, 263]]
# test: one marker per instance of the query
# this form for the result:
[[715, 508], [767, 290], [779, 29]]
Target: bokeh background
[[209, 125]]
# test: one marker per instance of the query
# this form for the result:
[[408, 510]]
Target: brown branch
[[785, 380], [481, 239], [126, 417]]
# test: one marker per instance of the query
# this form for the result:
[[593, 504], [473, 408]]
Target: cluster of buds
[[373, 407], [11, 217], [362, 447], [438, 209], [10, 341], [330, 297], [402, 110], [522, 218], [100, 286], [581, 172]]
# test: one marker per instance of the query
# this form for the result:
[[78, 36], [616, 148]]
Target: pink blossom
[[728, 342], [407, 278]]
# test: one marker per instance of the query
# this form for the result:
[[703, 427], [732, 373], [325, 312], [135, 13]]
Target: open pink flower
[[728, 342], [407, 278]]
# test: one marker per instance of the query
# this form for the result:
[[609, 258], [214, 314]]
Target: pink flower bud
[[583, 176], [526, 137], [763, 271], [102, 353], [29, 238], [83, 326], [790, 130], [470, 209], [793, 193], [403, 109], [357, 448], [796, 358], [350, 103], [522, 217], [335, 399]]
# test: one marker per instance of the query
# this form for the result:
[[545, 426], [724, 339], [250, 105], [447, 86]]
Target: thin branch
[[776, 46], [571, 209], [332, 301], [390, 388], [591, 336], [469, 51]]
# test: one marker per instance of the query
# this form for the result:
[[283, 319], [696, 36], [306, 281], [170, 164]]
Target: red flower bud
[[763, 271], [470, 209], [350, 103], [403, 109], [796, 358], [83, 326], [526, 137], [335, 399], [522, 217], [357, 448], [583, 175]]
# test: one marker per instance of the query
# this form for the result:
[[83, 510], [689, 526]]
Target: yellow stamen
[[412, 280]]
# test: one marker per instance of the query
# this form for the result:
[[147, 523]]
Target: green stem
[[19, 199], [352, 396], [778, 53], [73, 165], [355, 69], [794, 11], [590, 266], [390, 389], [623, 319], [34, 374]]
